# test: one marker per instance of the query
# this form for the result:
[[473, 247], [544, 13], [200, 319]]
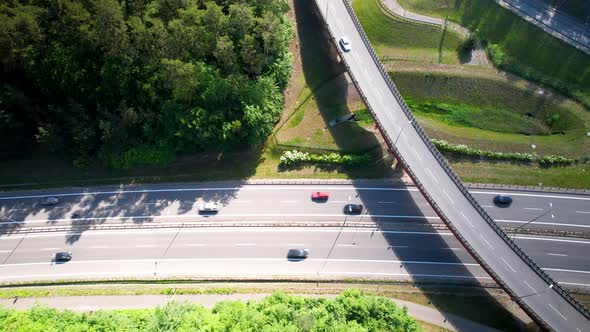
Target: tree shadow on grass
[[331, 89]]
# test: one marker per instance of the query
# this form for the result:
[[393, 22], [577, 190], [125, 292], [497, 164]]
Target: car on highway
[[503, 200], [345, 44], [353, 208], [63, 256], [208, 207], [319, 195], [51, 200], [298, 253]]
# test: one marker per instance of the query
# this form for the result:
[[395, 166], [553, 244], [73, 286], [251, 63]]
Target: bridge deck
[[544, 300]]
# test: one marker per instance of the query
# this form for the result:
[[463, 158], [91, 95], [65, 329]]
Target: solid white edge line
[[565, 270], [512, 193], [250, 187], [275, 187], [247, 273], [341, 260], [205, 216], [541, 223]]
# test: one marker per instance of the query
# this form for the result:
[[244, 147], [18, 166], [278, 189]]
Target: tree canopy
[[104, 77]]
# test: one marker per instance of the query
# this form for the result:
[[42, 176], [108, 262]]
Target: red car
[[319, 195]]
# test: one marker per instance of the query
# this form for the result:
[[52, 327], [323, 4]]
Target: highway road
[[260, 253], [157, 203], [517, 276]]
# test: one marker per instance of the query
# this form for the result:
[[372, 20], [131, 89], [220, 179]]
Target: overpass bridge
[[533, 289]]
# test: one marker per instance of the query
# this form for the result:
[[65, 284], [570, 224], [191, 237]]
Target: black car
[[62, 256], [353, 208], [503, 199], [298, 253]]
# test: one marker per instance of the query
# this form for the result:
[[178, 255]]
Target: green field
[[493, 112], [434, 8], [398, 39], [577, 176], [522, 47]]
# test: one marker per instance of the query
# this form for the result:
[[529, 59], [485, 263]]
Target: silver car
[[345, 44], [208, 207], [298, 253], [51, 200]]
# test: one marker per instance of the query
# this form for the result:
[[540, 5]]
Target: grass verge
[[398, 39], [456, 89], [519, 47], [470, 302], [575, 177]]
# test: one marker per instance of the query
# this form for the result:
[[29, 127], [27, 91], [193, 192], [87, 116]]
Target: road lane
[[352, 252], [252, 202]]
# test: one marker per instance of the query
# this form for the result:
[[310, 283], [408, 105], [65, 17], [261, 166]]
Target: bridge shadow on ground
[[434, 261], [448, 286], [333, 94]]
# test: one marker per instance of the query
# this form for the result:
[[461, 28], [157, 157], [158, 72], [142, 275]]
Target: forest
[[351, 311], [138, 81]]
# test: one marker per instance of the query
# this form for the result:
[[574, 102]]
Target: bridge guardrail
[[444, 164]]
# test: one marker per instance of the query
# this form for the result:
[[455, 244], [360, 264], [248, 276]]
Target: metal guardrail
[[444, 164], [543, 26], [292, 224]]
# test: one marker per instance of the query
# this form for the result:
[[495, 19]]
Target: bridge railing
[[445, 165]]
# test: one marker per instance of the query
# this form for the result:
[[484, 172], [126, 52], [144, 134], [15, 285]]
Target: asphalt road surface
[[279, 203], [261, 253], [511, 269]]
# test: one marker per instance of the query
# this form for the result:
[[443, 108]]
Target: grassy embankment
[[490, 110], [521, 47], [404, 40]]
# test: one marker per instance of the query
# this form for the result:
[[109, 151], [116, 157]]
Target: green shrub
[[468, 151], [546, 161], [137, 156], [553, 160], [350, 311], [291, 158]]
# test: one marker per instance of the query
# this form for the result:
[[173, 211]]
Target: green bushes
[[552, 160], [138, 156], [292, 158], [461, 149], [473, 152], [350, 311]]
